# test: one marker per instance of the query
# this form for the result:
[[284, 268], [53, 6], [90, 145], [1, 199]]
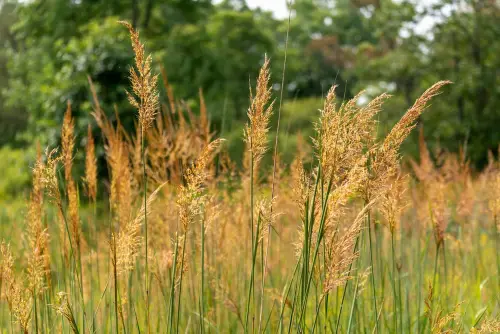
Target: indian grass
[[206, 228]]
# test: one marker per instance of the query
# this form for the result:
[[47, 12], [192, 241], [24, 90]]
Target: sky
[[280, 11], [278, 7]]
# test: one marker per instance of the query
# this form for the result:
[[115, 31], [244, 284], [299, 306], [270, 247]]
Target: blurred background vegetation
[[48, 48]]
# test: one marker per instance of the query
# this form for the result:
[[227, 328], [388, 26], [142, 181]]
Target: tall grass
[[177, 238]]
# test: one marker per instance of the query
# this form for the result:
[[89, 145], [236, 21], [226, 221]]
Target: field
[[171, 236]]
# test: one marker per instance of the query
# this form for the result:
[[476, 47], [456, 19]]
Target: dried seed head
[[145, 96], [48, 176], [68, 142], [339, 253], [18, 298], [439, 211], [73, 213], [343, 134], [63, 307], [403, 128], [393, 202], [259, 114], [129, 239], [38, 238], [190, 200], [383, 161], [487, 326], [90, 167]]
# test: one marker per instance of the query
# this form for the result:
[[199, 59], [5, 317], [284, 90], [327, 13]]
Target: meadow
[[172, 236]]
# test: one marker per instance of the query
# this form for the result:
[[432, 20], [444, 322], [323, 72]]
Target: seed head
[[145, 95], [90, 167], [68, 142], [259, 114]]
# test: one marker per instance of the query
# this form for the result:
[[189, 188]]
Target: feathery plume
[[403, 128], [439, 211], [392, 202], [38, 237], [48, 176], [190, 200], [129, 239], [143, 82], [384, 158], [259, 114], [68, 142], [64, 309], [18, 298], [73, 213], [90, 166], [339, 253], [488, 326]]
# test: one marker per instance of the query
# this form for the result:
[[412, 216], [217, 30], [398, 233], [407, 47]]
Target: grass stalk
[[180, 284], [202, 293], [172, 287], [368, 221], [393, 283], [145, 189]]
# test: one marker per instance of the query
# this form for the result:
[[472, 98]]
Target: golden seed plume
[[487, 326], [18, 297], [342, 135], [383, 159], [146, 99], [393, 202], [63, 308], [38, 266], [48, 176], [403, 128], [128, 241], [68, 142], [339, 252], [259, 115], [90, 166], [190, 200], [73, 213]]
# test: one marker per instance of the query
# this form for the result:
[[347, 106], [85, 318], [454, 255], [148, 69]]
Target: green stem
[[344, 292], [252, 274], [145, 181], [115, 276], [368, 220], [351, 314], [202, 294], [394, 307], [180, 284], [36, 312], [172, 286]]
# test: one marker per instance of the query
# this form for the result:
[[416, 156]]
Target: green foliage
[[15, 172], [60, 75], [48, 48], [219, 55]]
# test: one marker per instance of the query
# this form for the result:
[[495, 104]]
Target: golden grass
[[340, 241]]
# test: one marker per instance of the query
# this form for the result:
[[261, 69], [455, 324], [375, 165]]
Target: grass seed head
[[259, 115], [145, 96], [68, 142], [90, 166]]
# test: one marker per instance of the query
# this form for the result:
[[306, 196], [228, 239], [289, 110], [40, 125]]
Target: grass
[[178, 239]]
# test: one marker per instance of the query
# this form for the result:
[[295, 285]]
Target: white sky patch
[[278, 7], [280, 11]]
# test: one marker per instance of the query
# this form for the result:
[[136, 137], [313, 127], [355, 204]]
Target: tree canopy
[[50, 48]]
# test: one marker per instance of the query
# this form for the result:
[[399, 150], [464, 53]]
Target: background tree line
[[50, 47]]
